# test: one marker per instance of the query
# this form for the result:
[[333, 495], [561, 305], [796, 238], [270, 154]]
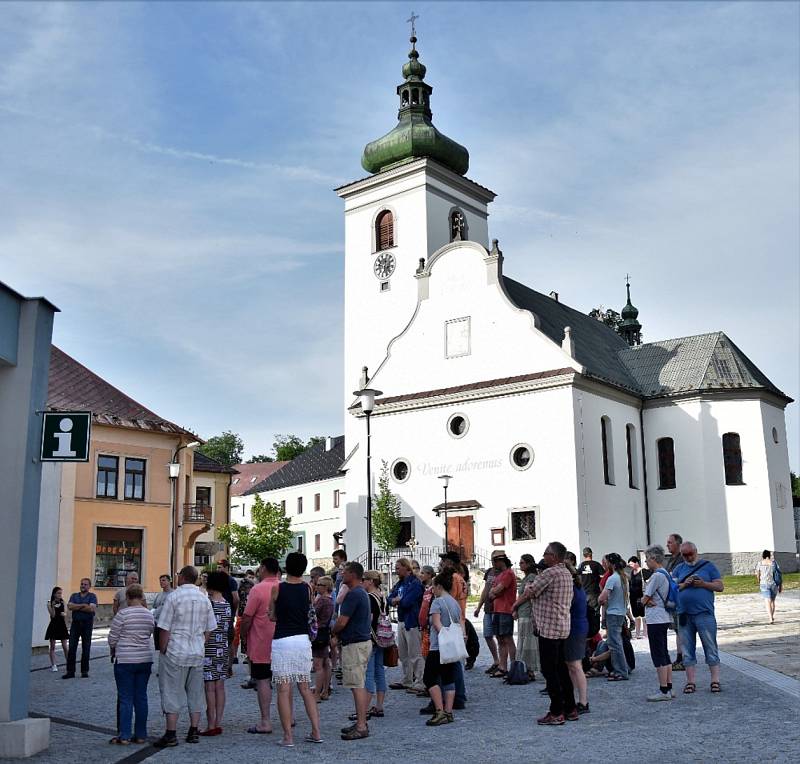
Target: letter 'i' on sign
[[65, 436]]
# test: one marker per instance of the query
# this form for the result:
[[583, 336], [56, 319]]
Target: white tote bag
[[452, 647]]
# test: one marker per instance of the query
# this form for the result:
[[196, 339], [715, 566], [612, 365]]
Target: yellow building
[[122, 511]]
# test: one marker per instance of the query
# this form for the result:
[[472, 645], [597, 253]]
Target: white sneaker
[[54, 668], [659, 696]]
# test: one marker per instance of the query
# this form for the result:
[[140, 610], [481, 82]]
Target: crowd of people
[[573, 622]]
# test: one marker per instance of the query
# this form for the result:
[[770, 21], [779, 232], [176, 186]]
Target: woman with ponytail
[[615, 597]]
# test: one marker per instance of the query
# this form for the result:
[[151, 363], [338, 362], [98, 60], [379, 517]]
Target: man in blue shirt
[[697, 581], [406, 595], [82, 605], [353, 630]]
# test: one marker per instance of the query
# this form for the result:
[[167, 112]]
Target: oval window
[[521, 456], [400, 470], [458, 425]]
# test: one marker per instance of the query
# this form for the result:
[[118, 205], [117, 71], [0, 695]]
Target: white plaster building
[[310, 488], [551, 424]]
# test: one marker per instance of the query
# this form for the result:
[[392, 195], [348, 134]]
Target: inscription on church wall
[[457, 337], [468, 465]]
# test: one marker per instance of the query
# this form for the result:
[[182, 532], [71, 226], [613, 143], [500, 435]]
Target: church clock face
[[384, 265]]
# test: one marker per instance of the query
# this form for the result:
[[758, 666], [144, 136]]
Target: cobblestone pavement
[[728, 727], [744, 630]]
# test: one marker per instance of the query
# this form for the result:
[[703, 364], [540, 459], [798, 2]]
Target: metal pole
[[369, 498], [445, 518]]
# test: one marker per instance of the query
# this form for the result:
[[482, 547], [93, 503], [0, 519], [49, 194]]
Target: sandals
[[498, 673], [256, 731], [492, 669], [617, 678], [715, 687], [311, 739], [378, 713], [689, 688], [119, 741]]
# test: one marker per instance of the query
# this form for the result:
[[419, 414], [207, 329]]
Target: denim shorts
[[502, 625], [488, 627], [769, 592]]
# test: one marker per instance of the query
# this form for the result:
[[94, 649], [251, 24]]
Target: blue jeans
[[461, 690], [614, 624], [79, 631], [132, 679], [704, 624], [376, 675]]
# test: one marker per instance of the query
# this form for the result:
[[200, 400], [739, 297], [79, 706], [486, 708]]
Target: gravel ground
[[726, 727]]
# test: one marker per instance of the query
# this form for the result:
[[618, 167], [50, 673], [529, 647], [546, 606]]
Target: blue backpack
[[777, 575], [671, 602]]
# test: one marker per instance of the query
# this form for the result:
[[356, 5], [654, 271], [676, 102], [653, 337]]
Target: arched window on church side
[[607, 442], [633, 456], [732, 456], [458, 226], [384, 230], [666, 462]]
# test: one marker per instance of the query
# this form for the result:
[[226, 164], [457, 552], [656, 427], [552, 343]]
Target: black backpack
[[517, 673]]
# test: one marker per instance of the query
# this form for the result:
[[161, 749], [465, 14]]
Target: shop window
[[134, 479], [107, 472], [666, 463], [118, 551]]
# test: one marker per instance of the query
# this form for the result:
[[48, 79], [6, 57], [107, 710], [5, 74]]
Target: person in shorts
[[258, 630], [485, 603], [575, 645], [503, 594], [658, 620], [352, 631]]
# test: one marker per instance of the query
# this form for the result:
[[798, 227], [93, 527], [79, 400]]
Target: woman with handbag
[[439, 678], [375, 682]]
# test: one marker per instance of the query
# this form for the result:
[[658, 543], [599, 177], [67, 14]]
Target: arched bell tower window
[[458, 226], [384, 231]]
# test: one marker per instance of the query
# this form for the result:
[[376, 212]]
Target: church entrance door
[[461, 536]]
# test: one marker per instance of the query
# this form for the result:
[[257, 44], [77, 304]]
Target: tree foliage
[[260, 459], [385, 513], [608, 316], [270, 534], [287, 447], [795, 484], [226, 448]]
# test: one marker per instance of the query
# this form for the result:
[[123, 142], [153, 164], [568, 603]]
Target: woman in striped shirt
[[132, 652]]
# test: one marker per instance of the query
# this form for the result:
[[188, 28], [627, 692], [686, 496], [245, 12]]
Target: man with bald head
[[120, 600], [697, 581]]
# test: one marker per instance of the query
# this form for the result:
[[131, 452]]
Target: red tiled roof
[[260, 471], [74, 387]]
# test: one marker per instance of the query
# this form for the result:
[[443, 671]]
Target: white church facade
[[550, 424]]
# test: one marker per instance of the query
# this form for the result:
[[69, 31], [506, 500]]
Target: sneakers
[[166, 741], [355, 734], [192, 736], [659, 696], [582, 708], [572, 716], [551, 721], [439, 718], [678, 666], [54, 668]]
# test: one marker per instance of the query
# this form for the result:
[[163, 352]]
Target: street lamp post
[[446, 482], [367, 396], [174, 468]]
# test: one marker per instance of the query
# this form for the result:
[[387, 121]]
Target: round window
[[774, 434], [521, 456], [400, 470], [458, 425]]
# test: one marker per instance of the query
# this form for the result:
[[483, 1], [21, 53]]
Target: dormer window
[[384, 230], [458, 226]]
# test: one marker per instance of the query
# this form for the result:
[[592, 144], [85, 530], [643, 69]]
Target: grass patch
[[747, 584]]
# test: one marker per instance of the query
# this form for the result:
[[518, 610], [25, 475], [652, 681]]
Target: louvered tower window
[[384, 230]]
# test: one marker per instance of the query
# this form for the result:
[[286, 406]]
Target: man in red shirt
[[258, 630], [503, 594]]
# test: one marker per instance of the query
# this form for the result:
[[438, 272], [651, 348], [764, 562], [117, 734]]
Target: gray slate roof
[[312, 465], [656, 369], [702, 362], [597, 346]]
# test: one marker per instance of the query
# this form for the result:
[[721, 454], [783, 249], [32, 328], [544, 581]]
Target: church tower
[[415, 200], [630, 328]]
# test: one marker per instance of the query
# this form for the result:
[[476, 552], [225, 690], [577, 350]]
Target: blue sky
[[167, 174]]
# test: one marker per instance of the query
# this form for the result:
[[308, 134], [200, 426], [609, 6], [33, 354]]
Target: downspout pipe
[[644, 474]]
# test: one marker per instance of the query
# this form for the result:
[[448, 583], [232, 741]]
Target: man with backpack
[[697, 581]]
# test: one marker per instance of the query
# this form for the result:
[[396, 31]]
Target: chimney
[[328, 443], [554, 295], [568, 344]]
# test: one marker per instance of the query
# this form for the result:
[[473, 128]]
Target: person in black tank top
[[291, 647]]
